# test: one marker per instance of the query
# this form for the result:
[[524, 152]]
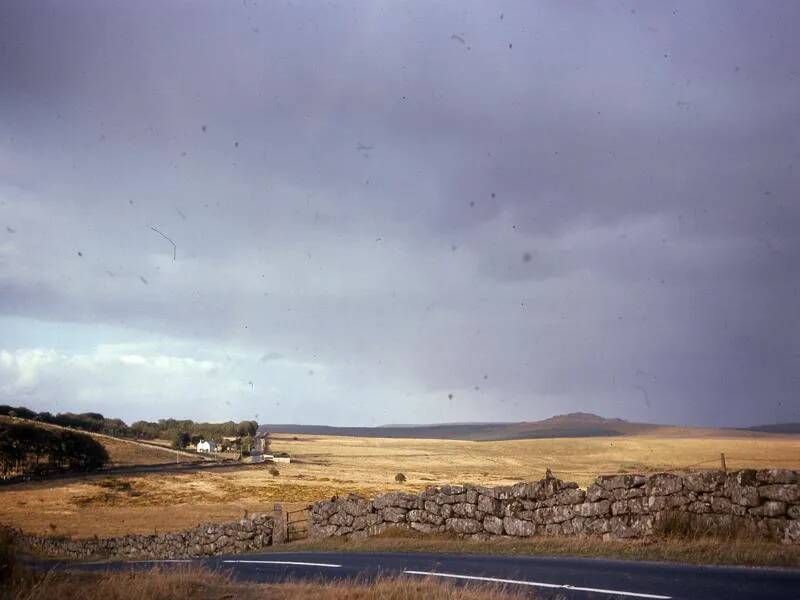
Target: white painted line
[[539, 584], [283, 562]]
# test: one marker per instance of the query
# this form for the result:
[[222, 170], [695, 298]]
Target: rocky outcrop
[[246, 535], [762, 503]]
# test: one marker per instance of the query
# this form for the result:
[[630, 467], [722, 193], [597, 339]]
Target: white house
[[206, 446], [276, 459]]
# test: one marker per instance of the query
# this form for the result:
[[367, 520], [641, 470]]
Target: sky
[[361, 213]]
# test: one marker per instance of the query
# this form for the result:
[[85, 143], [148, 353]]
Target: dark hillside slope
[[776, 428]]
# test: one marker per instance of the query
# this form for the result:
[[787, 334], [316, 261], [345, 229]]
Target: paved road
[[544, 577]]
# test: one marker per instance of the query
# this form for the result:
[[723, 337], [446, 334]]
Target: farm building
[[205, 447], [277, 459]]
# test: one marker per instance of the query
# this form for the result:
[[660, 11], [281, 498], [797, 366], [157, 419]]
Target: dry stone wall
[[764, 503], [248, 534]]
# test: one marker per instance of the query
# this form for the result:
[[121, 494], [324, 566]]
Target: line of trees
[[27, 449], [169, 429], [165, 429], [90, 421]]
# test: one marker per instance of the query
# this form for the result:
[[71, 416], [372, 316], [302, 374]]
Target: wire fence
[[724, 459], [721, 461]]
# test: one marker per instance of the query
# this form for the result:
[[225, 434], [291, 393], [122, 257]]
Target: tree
[[27, 449], [82, 452], [246, 444], [181, 440], [144, 430]]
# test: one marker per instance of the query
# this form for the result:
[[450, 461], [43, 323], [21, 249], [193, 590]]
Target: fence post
[[280, 527], [722, 459]]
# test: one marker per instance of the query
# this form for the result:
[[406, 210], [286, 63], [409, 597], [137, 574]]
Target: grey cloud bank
[[578, 208]]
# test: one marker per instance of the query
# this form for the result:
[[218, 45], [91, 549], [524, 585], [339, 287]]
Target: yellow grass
[[128, 452], [324, 465], [193, 583]]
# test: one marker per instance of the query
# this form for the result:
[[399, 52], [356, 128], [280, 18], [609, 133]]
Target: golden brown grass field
[[322, 466], [124, 452]]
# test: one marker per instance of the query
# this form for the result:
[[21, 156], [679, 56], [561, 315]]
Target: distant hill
[[570, 425], [776, 428]]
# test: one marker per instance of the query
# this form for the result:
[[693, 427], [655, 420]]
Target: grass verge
[[702, 550], [192, 583]]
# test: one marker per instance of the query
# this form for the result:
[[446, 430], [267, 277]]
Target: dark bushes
[[166, 429], [94, 422], [28, 450], [7, 556]]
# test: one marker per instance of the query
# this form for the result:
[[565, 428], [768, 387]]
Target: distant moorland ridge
[[776, 428], [578, 424]]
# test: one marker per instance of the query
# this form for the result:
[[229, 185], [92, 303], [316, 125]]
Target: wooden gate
[[297, 523]]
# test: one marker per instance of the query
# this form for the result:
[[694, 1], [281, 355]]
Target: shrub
[[400, 478], [274, 472], [26, 449], [685, 525], [7, 556], [674, 523], [181, 440]]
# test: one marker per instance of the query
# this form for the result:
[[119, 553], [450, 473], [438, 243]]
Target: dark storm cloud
[[568, 199]]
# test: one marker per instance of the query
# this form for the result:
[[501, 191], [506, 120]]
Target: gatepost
[[280, 531]]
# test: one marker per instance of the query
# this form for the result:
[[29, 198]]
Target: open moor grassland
[[322, 466]]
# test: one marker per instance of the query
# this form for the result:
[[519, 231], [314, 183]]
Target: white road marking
[[283, 562], [539, 584]]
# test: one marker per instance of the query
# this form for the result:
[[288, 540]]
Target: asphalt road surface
[[544, 577]]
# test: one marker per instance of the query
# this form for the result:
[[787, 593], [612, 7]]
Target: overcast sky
[[401, 212]]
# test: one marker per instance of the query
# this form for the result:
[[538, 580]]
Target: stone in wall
[[518, 527], [704, 481], [777, 476], [613, 482], [663, 484], [792, 532], [463, 525], [780, 492]]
